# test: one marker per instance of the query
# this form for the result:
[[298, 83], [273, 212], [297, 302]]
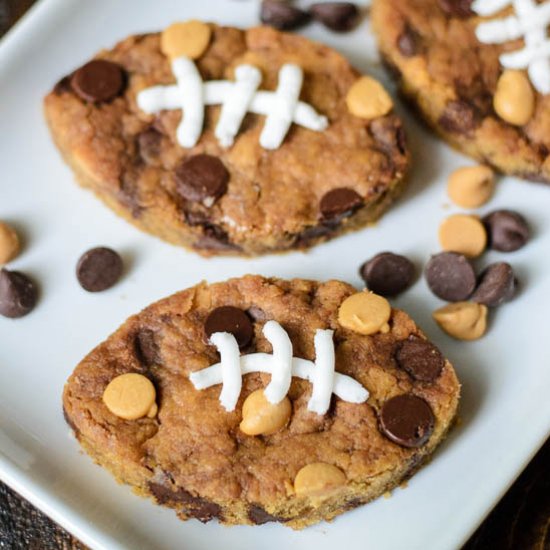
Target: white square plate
[[505, 410]]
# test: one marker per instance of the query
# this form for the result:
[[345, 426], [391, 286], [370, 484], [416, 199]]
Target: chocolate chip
[[420, 359], [339, 203], [202, 178], [282, 16], [507, 230], [98, 81], [337, 16], [258, 516], [18, 294], [63, 86], [457, 8], [389, 133], [407, 420], [450, 276], [149, 144], [256, 313], [233, 320], [459, 117], [99, 269], [407, 42], [147, 350], [387, 274], [310, 235], [497, 284]]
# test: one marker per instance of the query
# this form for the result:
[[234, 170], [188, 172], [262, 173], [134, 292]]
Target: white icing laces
[[281, 107], [282, 366], [530, 22]]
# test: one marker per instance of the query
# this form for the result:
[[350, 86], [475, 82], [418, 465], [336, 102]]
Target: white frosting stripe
[[281, 362], [230, 369], [156, 98], [323, 382]]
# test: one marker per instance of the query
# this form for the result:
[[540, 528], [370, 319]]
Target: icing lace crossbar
[[282, 366], [281, 107], [529, 22]]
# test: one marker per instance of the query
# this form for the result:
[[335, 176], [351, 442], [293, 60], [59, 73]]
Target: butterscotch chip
[[260, 417], [365, 313], [464, 234], [190, 38], [9, 243], [514, 99], [462, 320], [471, 186], [318, 479], [130, 396], [367, 98]]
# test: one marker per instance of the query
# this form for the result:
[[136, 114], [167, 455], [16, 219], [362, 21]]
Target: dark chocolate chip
[[387, 274], [215, 238], [282, 16], [98, 81], [202, 178], [309, 235], [258, 516], [149, 144], [457, 8], [337, 16], [459, 117], [18, 294], [99, 269], [497, 284], [407, 420], [147, 350], [420, 359], [63, 86], [389, 133], [230, 319], [507, 230], [450, 276], [407, 42], [339, 203]]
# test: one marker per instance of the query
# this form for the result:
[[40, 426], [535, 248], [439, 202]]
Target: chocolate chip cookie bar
[[478, 74], [230, 141], [257, 400]]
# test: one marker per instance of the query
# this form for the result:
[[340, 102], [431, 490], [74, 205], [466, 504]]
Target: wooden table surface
[[520, 521]]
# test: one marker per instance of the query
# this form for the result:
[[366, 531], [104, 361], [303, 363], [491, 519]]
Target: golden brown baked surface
[[451, 78], [272, 203], [193, 457]]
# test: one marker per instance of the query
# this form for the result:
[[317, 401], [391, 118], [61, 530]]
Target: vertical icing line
[[323, 381], [281, 362], [231, 368]]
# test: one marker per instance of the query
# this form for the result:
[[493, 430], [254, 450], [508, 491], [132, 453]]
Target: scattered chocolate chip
[[450, 276], [309, 235], [507, 230], [147, 350], [63, 86], [457, 8], [98, 81], [407, 42], [258, 516], [99, 269], [202, 178], [497, 284], [387, 274], [149, 144], [459, 117], [230, 319], [337, 16], [389, 133], [420, 359], [340, 203], [18, 294], [282, 16], [407, 420], [215, 238]]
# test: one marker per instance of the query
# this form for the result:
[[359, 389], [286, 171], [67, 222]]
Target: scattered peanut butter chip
[[462, 320], [471, 186], [190, 38], [9, 243], [131, 396], [365, 313], [318, 479], [464, 234], [514, 99], [367, 98], [260, 417]]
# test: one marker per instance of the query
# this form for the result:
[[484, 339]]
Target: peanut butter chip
[[318, 479], [462, 320], [9, 243], [260, 417], [367, 99], [463, 234], [514, 99], [131, 396], [190, 38], [471, 186], [365, 313]]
